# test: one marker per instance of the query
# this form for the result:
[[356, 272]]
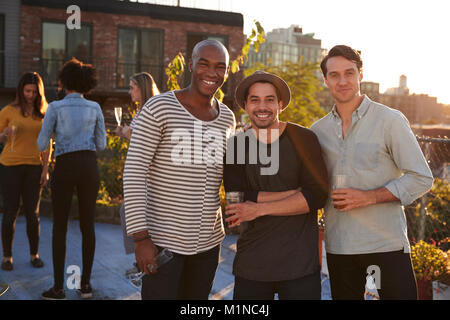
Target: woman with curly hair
[[79, 129]]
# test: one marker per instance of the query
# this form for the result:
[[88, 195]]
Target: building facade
[[9, 48], [119, 37], [287, 44]]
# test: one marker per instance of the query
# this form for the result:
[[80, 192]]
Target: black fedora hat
[[259, 76]]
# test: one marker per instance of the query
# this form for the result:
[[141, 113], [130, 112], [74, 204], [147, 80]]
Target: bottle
[[162, 258]]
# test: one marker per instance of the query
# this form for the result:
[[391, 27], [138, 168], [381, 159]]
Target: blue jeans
[[304, 288]]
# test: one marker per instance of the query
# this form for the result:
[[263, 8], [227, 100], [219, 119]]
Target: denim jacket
[[77, 123]]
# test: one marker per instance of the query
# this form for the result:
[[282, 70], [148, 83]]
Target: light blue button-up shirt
[[378, 150], [77, 123]]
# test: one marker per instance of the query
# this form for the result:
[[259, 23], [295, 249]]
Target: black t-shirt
[[277, 248]]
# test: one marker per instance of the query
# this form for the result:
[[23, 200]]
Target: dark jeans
[[185, 277], [348, 275], [304, 288], [74, 170], [22, 181]]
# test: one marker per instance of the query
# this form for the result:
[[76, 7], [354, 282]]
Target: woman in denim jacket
[[79, 130]]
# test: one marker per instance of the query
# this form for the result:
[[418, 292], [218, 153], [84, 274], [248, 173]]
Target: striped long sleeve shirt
[[173, 173]]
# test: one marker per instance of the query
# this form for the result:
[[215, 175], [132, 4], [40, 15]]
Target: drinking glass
[[234, 197], [118, 114], [13, 136], [162, 258], [339, 181]]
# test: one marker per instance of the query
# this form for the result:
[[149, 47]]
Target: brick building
[[119, 37]]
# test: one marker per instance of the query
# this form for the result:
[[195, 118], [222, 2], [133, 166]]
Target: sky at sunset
[[395, 36]]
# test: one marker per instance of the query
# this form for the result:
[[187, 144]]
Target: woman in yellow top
[[24, 167]]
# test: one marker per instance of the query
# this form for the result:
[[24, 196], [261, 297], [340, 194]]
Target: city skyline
[[394, 37], [391, 40]]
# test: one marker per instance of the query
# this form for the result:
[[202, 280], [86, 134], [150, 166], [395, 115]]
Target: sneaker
[[53, 294], [7, 265], [37, 263], [85, 291]]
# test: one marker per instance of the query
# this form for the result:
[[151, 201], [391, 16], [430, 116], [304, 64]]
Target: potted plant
[[430, 263]]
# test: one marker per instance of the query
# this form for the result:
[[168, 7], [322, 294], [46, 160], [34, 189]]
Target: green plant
[[174, 70], [438, 205], [111, 163], [433, 227], [429, 262]]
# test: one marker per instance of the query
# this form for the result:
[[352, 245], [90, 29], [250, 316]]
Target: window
[[192, 40], [60, 44], [139, 50], [2, 50]]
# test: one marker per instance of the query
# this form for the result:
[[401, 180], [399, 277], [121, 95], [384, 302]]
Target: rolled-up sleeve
[[417, 178], [47, 128]]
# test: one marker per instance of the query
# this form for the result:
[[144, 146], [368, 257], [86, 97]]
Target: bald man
[[172, 178]]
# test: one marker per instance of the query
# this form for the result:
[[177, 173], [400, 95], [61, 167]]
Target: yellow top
[[22, 149]]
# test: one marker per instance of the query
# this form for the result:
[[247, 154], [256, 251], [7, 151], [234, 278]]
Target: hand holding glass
[[339, 181], [162, 258], [234, 197]]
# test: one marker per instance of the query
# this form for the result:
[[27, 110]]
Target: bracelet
[[142, 239]]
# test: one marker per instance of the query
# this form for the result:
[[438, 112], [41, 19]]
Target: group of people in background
[[76, 126], [172, 198]]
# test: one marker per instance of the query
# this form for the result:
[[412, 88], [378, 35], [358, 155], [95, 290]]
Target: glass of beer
[[339, 181], [234, 197]]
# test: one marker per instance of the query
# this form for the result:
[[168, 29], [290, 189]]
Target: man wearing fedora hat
[[277, 251]]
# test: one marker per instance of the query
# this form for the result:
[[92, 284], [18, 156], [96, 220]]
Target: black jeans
[[74, 170], [304, 288], [22, 181], [348, 275], [185, 277]]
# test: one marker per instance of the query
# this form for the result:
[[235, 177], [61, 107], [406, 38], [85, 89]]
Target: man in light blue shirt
[[375, 167]]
